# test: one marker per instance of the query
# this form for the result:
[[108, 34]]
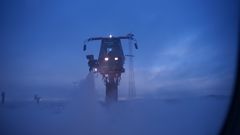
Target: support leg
[[111, 92]]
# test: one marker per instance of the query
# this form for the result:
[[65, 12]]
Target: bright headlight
[[106, 58], [116, 58]]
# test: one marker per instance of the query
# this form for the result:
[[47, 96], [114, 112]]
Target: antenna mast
[[131, 83]]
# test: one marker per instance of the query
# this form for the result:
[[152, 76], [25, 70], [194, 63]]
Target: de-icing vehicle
[[110, 62]]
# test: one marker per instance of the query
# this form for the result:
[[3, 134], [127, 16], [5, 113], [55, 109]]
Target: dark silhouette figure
[[37, 98], [3, 97], [110, 62]]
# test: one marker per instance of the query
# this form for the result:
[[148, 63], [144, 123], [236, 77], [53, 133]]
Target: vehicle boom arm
[[129, 36]]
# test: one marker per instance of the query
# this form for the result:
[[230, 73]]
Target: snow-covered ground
[[83, 115], [197, 115]]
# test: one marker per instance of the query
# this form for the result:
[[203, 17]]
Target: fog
[[184, 68], [83, 113]]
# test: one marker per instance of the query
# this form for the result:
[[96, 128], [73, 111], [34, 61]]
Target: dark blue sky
[[184, 45]]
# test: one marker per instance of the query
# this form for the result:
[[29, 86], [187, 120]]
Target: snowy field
[[188, 116], [84, 115]]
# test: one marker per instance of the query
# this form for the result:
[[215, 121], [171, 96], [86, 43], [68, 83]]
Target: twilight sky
[[183, 45]]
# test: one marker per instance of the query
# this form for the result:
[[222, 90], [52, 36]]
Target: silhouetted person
[[37, 98], [3, 97]]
